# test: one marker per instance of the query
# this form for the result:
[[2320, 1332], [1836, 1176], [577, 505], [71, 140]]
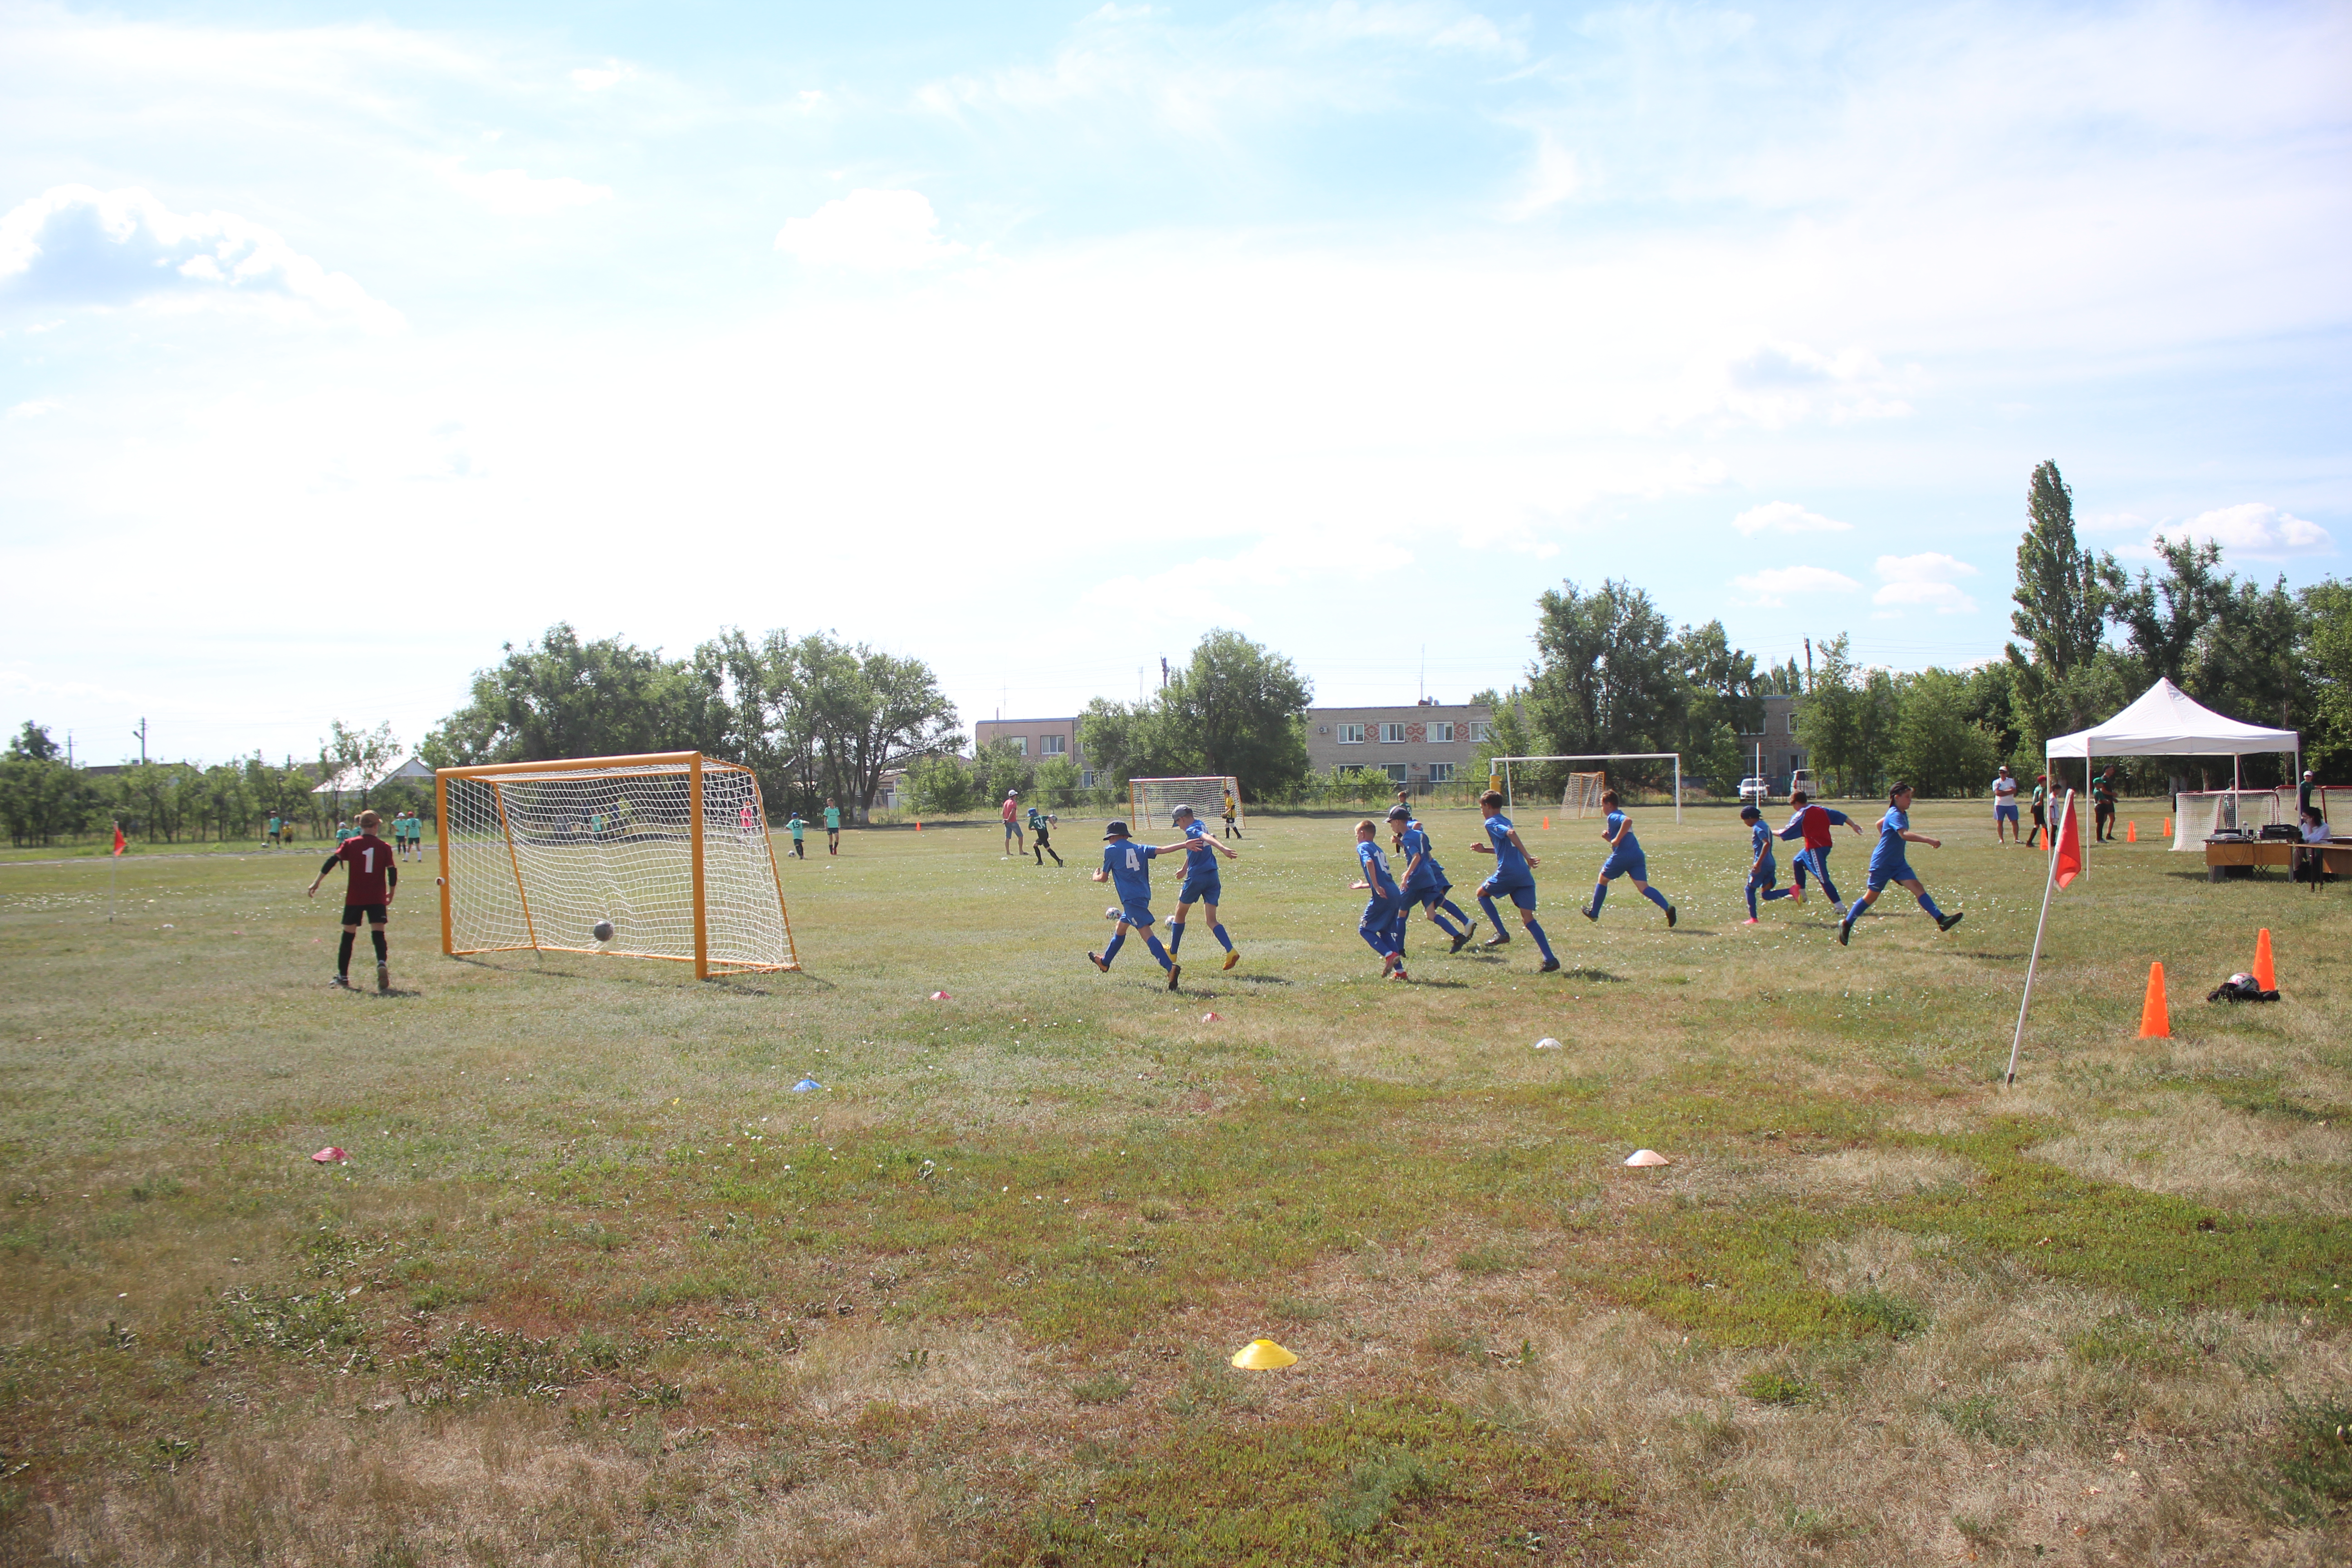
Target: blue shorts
[[1380, 914], [1521, 892], [1420, 895], [1890, 869], [1765, 876], [1201, 890], [2009, 811], [1136, 912], [1634, 864]]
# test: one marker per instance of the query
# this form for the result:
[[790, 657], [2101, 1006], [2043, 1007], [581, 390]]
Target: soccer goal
[[1149, 801], [663, 856], [1583, 796], [1499, 770]]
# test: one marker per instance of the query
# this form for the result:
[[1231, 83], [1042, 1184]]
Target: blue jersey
[[1759, 843], [1130, 864], [1896, 823], [1510, 861], [1376, 869], [1629, 845], [1199, 852], [1415, 842]]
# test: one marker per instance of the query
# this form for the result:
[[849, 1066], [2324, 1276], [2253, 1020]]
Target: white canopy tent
[[2166, 722]]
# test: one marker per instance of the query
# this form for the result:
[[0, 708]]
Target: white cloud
[[1925, 581], [1771, 586], [1786, 517], [881, 230], [33, 409], [597, 78], [1780, 384], [512, 193], [2255, 528], [75, 246], [1553, 179]]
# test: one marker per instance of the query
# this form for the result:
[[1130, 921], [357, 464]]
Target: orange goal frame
[[695, 764]]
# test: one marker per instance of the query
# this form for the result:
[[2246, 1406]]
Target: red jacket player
[[374, 873]]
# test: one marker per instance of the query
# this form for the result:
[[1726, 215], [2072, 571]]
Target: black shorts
[[1039, 834], [375, 913]]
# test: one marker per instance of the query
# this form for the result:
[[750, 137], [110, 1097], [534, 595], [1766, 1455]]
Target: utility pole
[[1163, 672], [1808, 666], [141, 733]]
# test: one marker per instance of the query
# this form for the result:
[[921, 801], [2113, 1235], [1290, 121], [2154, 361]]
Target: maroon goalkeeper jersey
[[369, 861]]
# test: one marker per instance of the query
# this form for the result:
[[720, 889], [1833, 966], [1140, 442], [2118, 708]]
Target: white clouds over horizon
[[513, 193], [1771, 588], [1786, 517], [891, 231], [1927, 581], [2255, 528]]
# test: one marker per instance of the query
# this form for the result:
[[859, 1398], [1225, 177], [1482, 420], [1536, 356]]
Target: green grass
[[1004, 1252]]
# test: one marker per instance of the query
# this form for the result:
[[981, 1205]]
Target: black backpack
[[2241, 988]]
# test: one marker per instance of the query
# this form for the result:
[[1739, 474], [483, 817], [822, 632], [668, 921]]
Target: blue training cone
[[806, 1085]]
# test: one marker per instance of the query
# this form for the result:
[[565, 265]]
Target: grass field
[[598, 1287]]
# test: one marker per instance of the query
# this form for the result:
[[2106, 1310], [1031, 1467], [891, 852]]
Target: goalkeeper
[[1040, 825], [374, 875]]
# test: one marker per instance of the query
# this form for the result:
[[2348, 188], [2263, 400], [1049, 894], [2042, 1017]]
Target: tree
[[2251, 664], [360, 754], [867, 714], [41, 799], [1606, 677], [1239, 707], [939, 786], [998, 767], [2164, 618], [2063, 595], [564, 698], [1934, 745]]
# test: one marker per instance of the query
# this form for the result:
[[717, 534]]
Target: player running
[[1039, 825], [1625, 860], [1887, 864], [1514, 876], [1127, 866], [1761, 871], [1812, 822], [1425, 881], [1381, 924], [1201, 884], [367, 891]]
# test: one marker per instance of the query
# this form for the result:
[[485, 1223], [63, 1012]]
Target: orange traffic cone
[[2131, 832], [2155, 1023], [2168, 827], [2264, 975], [918, 824], [1547, 825]]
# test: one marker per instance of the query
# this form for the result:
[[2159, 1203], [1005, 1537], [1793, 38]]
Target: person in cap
[[2004, 805], [1041, 829], [1201, 885], [1514, 877], [1763, 871], [1888, 864], [2303, 792], [1127, 867], [1013, 822], [2041, 834], [1424, 882]]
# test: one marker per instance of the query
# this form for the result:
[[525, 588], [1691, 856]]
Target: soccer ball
[[603, 929], [1113, 912]]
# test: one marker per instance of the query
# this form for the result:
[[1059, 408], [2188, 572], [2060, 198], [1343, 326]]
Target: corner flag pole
[[2065, 830], [113, 861]]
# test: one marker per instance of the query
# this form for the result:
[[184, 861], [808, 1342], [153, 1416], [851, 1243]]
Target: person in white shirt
[[2004, 806], [2312, 868]]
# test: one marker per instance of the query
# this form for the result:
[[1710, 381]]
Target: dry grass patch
[[2250, 1163]]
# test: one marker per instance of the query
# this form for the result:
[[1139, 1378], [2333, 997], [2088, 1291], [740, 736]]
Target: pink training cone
[[329, 1155], [940, 997]]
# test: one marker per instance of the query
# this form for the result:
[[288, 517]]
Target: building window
[[1392, 734], [1792, 721], [1053, 745], [1085, 778], [1481, 730], [1442, 731], [1396, 773], [1441, 772], [1020, 745], [1352, 734]]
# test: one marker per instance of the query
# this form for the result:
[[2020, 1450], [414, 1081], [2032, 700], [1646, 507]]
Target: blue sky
[[339, 346]]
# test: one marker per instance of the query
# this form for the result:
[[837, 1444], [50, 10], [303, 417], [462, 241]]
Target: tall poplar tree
[[2063, 595]]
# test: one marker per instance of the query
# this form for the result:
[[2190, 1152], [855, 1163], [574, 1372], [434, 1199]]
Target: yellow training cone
[[1262, 1355]]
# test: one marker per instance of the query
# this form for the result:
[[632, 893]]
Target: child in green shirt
[[799, 849]]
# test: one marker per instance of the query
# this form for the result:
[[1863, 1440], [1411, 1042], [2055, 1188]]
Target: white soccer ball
[[603, 929], [1113, 912], [1548, 1043]]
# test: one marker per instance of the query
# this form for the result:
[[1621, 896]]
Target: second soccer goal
[[1211, 797]]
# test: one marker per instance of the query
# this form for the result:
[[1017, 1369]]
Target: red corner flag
[[118, 838], [2070, 844]]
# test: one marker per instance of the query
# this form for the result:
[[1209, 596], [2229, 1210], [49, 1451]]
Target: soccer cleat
[[1174, 971], [1946, 923], [1099, 962], [1845, 933], [1461, 941], [1749, 921], [1844, 911], [1670, 917], [1233, 956], [340, 983], [1588, 912], [1399, 973], [1798, 894], [384, 979], [1548, 967], [1500, 938]]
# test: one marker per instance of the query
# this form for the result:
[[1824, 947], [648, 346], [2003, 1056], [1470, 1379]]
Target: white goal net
[[670, 851], [1150, 802], [1582, 796]]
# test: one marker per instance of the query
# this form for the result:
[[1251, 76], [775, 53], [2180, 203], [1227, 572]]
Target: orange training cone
[[2155, 1023], [2264, 975], [2131, 832], [1547, 824], [2168, 827]]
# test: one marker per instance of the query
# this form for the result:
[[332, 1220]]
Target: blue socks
[[1448, 927], [1486, 902], [1117, 940], [1656, 897], [1158, 951], [1928, 904], [1175, 935], [1218, 932], [1536, 931], [1599, 896], [1449, 907], [1751, 900]]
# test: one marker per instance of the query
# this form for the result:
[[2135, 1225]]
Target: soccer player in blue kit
[[1424, 882], [1514, 876], [1128, 868], [1201, 884], [1888, 864], [1762, 873], [1382, 924], [1625, 860]]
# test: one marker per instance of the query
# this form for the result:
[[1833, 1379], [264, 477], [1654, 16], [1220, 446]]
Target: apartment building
[[1778, 743], [1419, 744], [1037, 739]]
